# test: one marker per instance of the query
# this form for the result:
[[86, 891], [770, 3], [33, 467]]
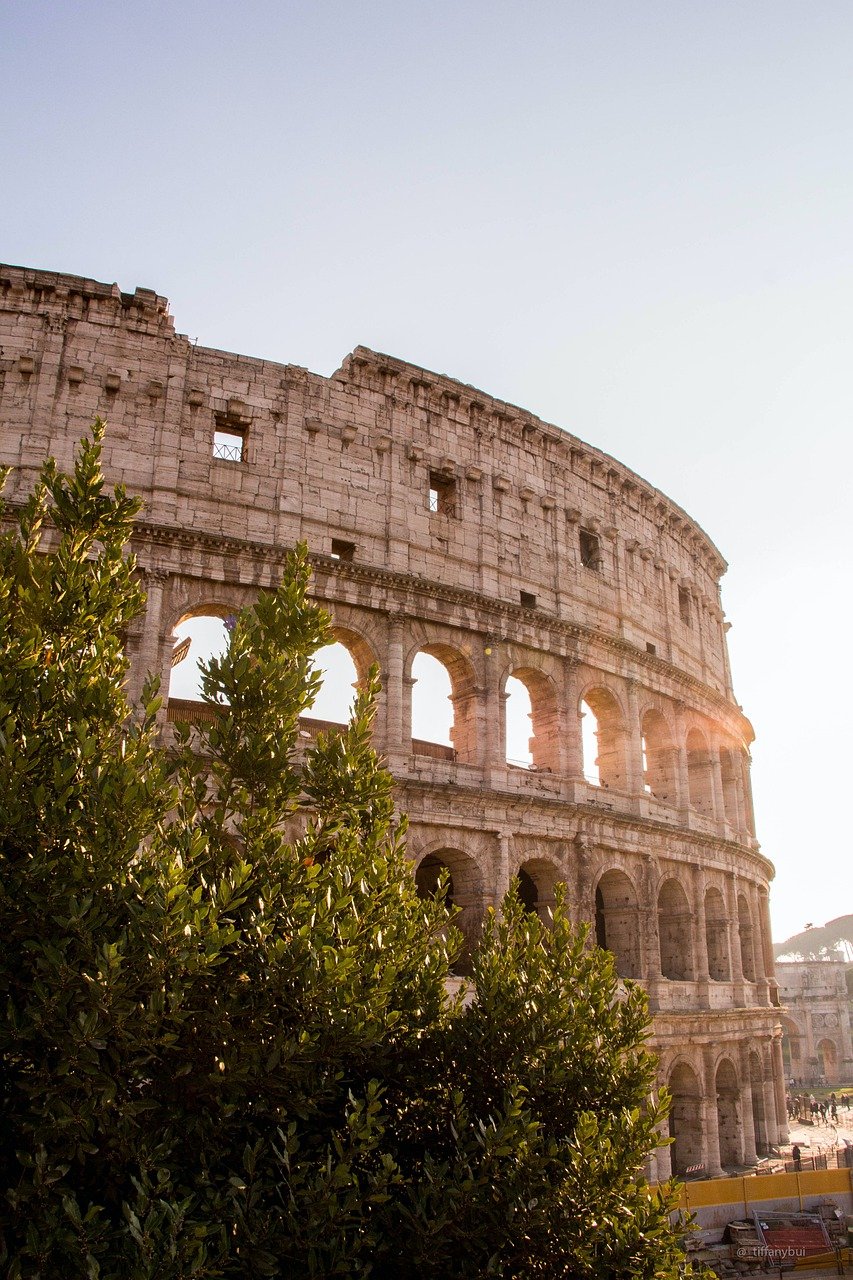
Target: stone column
[[585, 909], [778, 1070], [750, 1152], [708, 1109], [408, 684], [651, 959], [663, 1155], [635, 779], [680, 752], [700, 941], [738, 991], [717, 788], [573, 750], [394, 735], [150, 657], [504, 862]]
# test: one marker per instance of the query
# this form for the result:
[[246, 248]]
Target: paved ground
[[814, 1139]]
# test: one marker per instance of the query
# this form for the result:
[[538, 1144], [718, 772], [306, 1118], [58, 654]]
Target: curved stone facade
[[442, 520]]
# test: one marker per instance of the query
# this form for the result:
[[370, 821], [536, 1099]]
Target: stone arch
[[717, 936], [660, 760], [463, 891], [617, 921], [545, 734], [700, 784], [603, 738], [463, 695], [345, 663], [199, 633], [746, 935], [675, 930], [728, 1117], [537, 881], [685, 1119], [759, 1117], [827, 1052]]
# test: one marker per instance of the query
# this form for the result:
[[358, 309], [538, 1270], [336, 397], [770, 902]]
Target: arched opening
[[519, 725], [828, 1055], [699, 773], [759, 1120], [199, 636], [537, 880], [603, 740], [728, 1126], [659, 760], [532, 721], [685, 1120], [333, 704], [617, 922], [462, 890], [729, 777], [675, 930], [717, 936], [745, 931], [443, 705], [527, 892]]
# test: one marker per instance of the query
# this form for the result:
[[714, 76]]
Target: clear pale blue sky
[[632, 218]]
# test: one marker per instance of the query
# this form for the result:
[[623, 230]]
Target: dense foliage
[[227, 1048]]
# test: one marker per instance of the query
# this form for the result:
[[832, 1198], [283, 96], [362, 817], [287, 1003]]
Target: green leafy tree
[[226, 1044]]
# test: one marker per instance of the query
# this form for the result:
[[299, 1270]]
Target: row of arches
[[611, 745], [737, 1123], [661, 939]]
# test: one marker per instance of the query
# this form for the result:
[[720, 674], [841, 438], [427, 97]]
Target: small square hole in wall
[[342, 550], [528, 599], [441, 498], [229, 444], [684, 605], [651, 648], [590, 549]]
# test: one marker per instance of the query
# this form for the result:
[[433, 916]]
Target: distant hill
[[831, 941]]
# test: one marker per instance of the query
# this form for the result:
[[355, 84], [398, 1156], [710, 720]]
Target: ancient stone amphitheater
[[444, 522]]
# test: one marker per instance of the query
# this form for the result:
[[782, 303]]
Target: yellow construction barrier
[[742, 1192]]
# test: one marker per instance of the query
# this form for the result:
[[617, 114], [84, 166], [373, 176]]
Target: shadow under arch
[[463, 890], [537, 880], [717, 936], [675, 930], [700, 783], [728, 1118], [617, 921], [685, 1118]]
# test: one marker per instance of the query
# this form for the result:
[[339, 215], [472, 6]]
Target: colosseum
[[533, 570]]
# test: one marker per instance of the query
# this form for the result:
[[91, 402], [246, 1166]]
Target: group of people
[[801, 1107]]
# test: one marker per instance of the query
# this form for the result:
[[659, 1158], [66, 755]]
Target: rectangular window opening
[[684, 605], [229, 444], [651, 648], [528, 599], [590, 550], [342, 550], [442, 494]]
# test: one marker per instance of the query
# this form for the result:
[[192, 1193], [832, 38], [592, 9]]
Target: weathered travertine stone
[[503, 545]]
